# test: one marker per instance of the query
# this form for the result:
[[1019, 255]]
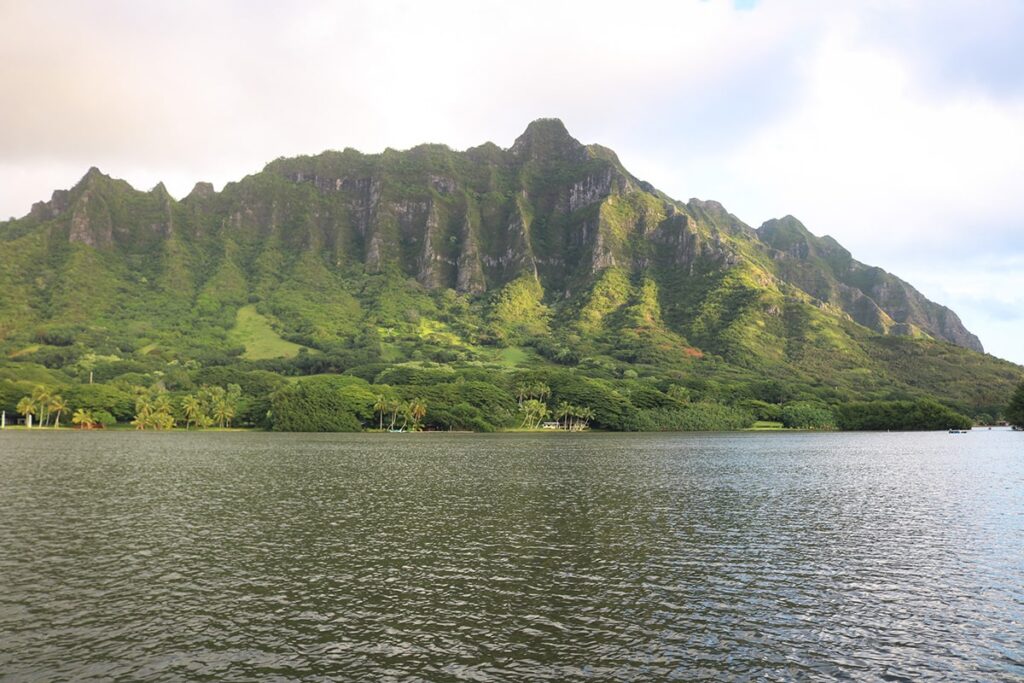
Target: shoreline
[[513, 430]]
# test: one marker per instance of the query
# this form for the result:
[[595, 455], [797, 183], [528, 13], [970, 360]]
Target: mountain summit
[[549, 245], [548, 140]]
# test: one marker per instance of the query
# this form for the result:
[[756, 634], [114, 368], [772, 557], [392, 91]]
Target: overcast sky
[[896, 126]]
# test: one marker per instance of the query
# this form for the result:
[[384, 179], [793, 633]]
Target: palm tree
[[380, 405], [41, 397], [153, 408], [27, 407], [163, 420], [192, 408], [563, 412], [211, 397], [223, 411], [162, 403], [542, 412], [406, 414], [584, 414], [528, 408], [58, 405], [534, 413], [393, 408], [83, 418], [417, 410], [143, 411], [522, 391]]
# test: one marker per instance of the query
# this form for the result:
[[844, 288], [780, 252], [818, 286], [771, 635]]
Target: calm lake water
[[243, 556]]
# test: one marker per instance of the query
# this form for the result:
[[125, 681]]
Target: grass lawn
[[762, 426], [253, 330], [439, 332], [513, 356]]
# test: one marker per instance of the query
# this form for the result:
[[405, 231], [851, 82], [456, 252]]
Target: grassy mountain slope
[[545, 254]]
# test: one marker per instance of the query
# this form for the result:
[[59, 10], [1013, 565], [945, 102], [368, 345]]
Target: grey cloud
[[997, 310], [709, 120], [973, 46]]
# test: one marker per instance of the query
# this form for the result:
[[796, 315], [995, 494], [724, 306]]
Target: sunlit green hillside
[[546, 263]]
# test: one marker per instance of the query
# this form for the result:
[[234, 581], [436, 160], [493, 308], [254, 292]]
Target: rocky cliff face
[[871, 296], [548, 208]]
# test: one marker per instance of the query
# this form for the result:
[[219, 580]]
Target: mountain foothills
[[491, 287]]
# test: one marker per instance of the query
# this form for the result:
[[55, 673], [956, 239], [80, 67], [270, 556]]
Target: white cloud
[[987, 293], [922, 182], [215, 89], [869, 158]]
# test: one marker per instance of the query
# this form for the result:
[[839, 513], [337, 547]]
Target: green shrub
[[807, 415], [1015, 411], [762, 410], [695, 417], [321, 404], [97, 398], [923, 414], [104, 418]]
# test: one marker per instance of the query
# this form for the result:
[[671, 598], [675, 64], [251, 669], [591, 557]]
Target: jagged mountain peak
[[160, 190], [474, 221], [548, 139], [201, 190], [93, 176], [790, 234], [96, 181], [546, 126], [787, 222], [783, 233]]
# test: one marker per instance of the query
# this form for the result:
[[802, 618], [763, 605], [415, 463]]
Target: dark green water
[[245, 556]]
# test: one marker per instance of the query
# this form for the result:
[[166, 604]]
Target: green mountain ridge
[[549, 248]]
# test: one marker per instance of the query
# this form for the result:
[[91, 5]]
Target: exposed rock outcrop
[[548, 208]]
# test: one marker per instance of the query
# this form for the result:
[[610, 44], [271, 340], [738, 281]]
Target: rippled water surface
[[242, 556]]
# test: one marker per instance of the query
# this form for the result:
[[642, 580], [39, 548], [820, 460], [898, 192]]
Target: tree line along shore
[[408, 398]]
